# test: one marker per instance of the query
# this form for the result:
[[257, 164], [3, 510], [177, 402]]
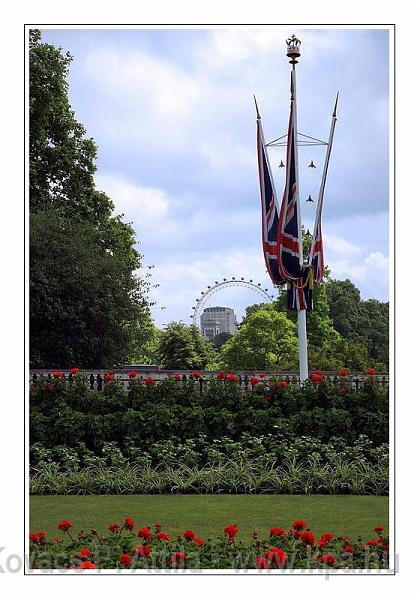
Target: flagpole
[[293, 52], [324, 177]]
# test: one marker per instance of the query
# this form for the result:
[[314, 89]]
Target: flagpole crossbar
[[306, 142]]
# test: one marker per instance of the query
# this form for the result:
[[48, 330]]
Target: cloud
[[173, 115], [150, 204], [371, 274]]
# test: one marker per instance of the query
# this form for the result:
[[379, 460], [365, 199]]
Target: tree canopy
[[267, 340], [85, 298], [183, 347]]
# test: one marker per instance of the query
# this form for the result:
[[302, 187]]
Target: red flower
[[371, 371], [196, 374], [74, 371], [386, 547], [64, 525], [129, 523], [316, 377], [199, 541], [189, 535], [299, 525], [158, 527], [132, 374], [276, 556], [220, 375], [114, 528], [177, 558], [163, 536], [343, 372], [57, 374], [143, 550], [283, 384], [318, 371], [307, 537], [231, 378], [108, 377], [277, 531], [254, 381], [86, 565], [348, 548], [322, 543], [372, 543], [56, 540], [262, 563], [379, 529], [177, 377], [328, 559], [149, 381], [267, 398], [342, 391], [145, 533], [125, 560], [230, 531], [262, 375], [37, 538], [327, 536]]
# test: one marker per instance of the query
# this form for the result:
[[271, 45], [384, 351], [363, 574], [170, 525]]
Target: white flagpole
[[293, 52], [324, 178]]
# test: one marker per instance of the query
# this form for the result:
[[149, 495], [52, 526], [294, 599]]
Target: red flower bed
[[293, 548]]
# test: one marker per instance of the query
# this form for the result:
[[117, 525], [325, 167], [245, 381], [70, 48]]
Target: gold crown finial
[[293, 49]]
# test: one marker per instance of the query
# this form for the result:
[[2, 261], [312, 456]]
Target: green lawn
[[207, 515]]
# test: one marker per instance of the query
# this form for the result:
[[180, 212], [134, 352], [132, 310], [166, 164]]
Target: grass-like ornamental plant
[[126, 546]]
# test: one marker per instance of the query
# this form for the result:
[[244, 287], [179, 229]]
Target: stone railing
[[95, 377]]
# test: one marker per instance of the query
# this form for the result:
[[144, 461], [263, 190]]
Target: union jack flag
[[289, 233], [317, 251], [300, 291], [270, 218]]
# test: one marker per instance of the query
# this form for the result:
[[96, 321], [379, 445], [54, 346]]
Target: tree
[[344, 302], [319, 325], [361, 321], [85, 300], [61, 158], [267, 340], [219, 340], [181, 347]]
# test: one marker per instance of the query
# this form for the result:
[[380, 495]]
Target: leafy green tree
[[362, 321], [61, 158], [344, 308], [182, 347], [266, 340], [219, 340], [84, 298], [85, 301], [146, 341]]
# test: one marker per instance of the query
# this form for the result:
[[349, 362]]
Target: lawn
[[207, 515]]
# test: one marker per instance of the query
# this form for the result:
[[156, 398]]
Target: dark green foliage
[[364, 322], [70, 413], [183, 347], [86, 304]]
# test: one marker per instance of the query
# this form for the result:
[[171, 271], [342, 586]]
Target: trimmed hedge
[[68, 412]]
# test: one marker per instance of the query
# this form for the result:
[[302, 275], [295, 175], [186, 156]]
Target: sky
[[173, 115]]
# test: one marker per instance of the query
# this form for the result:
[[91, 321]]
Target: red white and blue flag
[[270, 217], [289, 232], [299, 277], [317, 251]]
